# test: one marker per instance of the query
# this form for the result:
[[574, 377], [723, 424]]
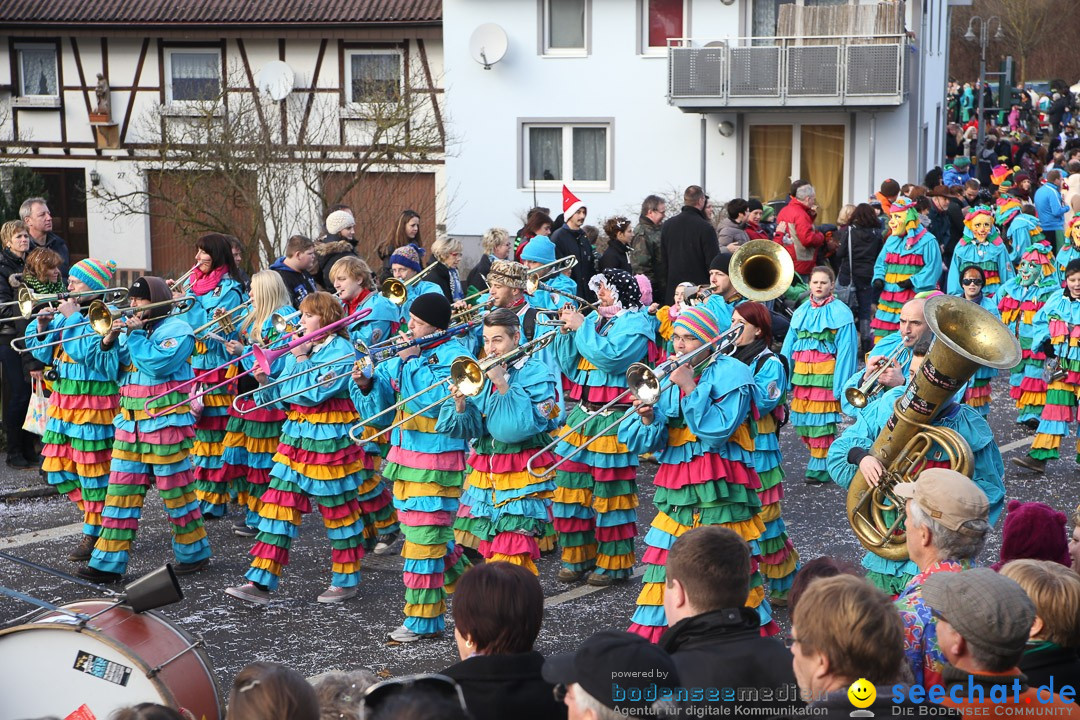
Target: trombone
[[177, 285], [285, 323], [27, 299], [224, 319], [397, 291], [473, 312], [554, 267], [100, 319], [470, 377], [533, 283], [861, 396]]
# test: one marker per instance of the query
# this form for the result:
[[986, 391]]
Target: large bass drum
[[54, 665]]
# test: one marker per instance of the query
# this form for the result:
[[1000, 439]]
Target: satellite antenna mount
[[488, 44]]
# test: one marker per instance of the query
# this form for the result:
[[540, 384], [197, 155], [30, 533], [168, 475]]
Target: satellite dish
[[275, 80], [488, 44]]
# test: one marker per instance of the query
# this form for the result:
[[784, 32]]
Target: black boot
[[99, 576], [1030, 463]]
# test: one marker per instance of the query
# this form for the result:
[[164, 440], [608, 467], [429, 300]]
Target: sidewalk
[[20, 484]]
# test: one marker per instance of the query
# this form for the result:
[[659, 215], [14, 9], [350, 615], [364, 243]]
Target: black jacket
[[329, 250], [616, 256], [866, 245], [299, 284], [688, 245], [1061, 664], [724, 649], [574, 242], [506, 687], [477, 274], [10, 264], [55, 243], [440, 275], [947, 227]]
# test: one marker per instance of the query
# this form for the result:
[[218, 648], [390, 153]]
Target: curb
[[26, 493]]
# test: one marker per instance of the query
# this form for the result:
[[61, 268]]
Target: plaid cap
[[989, 610]]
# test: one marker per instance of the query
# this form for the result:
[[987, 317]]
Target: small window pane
[[376, 77], [665, 21], [545, 153], [196, 76], [39, 71], [566, 24], [590, 154], [765, 15]]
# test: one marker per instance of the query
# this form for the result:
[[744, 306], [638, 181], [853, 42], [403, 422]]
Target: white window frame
[[169, 52], [567, 125], [24, 99], [545, 33], [348, 79], [646, 50]]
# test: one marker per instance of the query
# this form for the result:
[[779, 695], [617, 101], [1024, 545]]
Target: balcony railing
[[800, 72]]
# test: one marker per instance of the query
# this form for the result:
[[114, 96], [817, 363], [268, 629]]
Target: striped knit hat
[[95, 274], [409, 256], [699, 322]]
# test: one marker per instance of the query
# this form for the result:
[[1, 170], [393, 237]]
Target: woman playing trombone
[[504, 507], [702, 431], [78, 437], [426, 467], [215, 288], [316, 462]]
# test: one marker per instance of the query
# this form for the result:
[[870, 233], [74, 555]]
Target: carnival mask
[[1027, 272], [1074, 235], [897, 223], [981, 226]]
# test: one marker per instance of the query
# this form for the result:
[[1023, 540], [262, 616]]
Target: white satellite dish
[[275, 80], [488, 44]]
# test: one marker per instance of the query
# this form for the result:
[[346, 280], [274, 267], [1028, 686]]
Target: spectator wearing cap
[[645, 256], [1034, 531], [984, 620], [754, 211], [957, 172], [570, 239], [688, 243], [614, 675], [1051, 652], [845, 630], [946, 529], [405, 263], [714, 639], [340, 241]]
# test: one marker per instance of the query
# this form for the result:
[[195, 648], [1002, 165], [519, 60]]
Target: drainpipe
[[703, 147], [873, 153]]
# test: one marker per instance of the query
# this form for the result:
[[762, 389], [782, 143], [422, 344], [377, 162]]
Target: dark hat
[[940, 191], [625, 672], [432, 308], [961, 161], [1033, 530], [154, 289], [988, 610], [754, 204], [721, 262]]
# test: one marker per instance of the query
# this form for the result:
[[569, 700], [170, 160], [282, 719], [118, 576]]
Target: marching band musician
[[316, 462], [538, 252], [506, 287], [822, 345], [909, 263], [700, 429], [405, 263], [251, 436], [779, 560], [1057, 334], [505, 508], [152, 357], [352, 278], [973, 280], [78, 436], [595, 508], [851, 452], [216, 290], [724, 296], [426, 467], [1070, 249]]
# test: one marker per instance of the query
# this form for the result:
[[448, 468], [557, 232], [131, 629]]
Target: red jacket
[[795, 231]]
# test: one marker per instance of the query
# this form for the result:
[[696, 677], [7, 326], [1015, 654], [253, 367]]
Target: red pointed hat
[[570, 203]]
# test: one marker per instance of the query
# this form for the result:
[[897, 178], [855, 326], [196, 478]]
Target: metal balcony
[[793, 72]]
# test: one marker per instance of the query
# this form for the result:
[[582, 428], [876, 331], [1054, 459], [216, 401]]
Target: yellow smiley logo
[[862, 693]]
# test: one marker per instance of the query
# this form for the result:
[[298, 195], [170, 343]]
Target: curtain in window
[[376, 77], [665, 21], [765, 15], [39, 71], [770, 162], [822, 161], [590, 154], [545, 153], [196, 76], [566, 24]]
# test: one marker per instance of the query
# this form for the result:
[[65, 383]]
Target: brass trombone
[[27, 299], [224, 319], [177, 285], [473, 312], [397, 291], [532, 284], [100, 319], [860, 397], [554, 267]]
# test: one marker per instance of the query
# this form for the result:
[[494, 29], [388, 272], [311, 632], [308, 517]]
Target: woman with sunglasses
[[973, 281]]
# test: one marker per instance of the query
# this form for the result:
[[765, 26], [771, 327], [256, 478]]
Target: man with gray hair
[[796, 232], [34, 212], [946, 528]]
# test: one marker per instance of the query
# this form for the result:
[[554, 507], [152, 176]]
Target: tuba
[[966, 336]]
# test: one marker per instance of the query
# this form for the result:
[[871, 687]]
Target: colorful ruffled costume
[[893, 576], [316, 464], [504, 509], [822, 346], [1059, 323], [1070, 250], [427, 469], [884, 348], [977, 394], [991, 256], [78, 437], [1020, 229], [907, 264]]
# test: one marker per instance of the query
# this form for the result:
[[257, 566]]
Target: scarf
[[43, 287], [205, 283], [821, 303], [455, 285], [746, 353], [609, 311], [352, 305]]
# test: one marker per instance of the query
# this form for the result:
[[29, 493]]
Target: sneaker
[[191, 567], [1029, 463], [98, 576], [82, 551], [567, 575], [386, 543], [20, 463], [405, 635], [335, 594], [250, 592], [241, 529]]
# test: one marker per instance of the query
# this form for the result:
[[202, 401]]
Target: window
[[193, 75], [38, 76], [813, 151], [578, 153], [766, 13], [663, 19], [374, 75], [565, 26]]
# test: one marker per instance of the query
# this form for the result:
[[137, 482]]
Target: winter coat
[[475, 281], [328, 251], [796, 232], [574, 242], [298, 283], [866, 244], [506, 686], [688, 245], [616, 255], [55, 243], [731, 232], [10, 264], [440, 275], [645, 256]]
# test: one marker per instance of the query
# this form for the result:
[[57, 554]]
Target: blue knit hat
[[540, 249], [409, 256]]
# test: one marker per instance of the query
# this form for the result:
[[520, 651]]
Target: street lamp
[[983, 38]]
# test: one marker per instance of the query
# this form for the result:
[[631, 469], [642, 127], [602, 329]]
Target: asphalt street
[[315, 638]]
